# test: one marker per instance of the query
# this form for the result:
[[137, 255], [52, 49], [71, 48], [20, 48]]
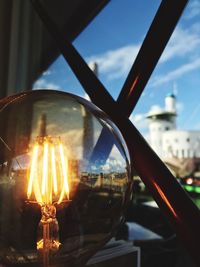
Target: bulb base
[[48, 234]]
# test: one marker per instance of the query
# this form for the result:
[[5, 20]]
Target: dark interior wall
[[21, 41], [26, 48], [5, 24]]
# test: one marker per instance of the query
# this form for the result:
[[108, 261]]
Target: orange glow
[[45, 173], [55, 245], [133, 86], [65, 188], [53, 164], [48, 175], [165, 200]]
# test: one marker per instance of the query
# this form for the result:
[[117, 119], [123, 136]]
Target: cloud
[[182, 43], [116, 63], [47, 73], [44, 84], [139, 120], [193, 9], [141, 123], [175, 74], [86, 96]]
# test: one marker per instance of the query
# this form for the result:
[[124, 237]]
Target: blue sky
[[113, 39]]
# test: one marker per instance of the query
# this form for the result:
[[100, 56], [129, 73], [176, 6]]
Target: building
[[178, 148]]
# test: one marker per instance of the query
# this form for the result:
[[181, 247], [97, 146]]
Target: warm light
[[32, 171], [60, 164], [189, 181], [53, 164], [64, 172], [45, 189], [48, 181], [48, 185]]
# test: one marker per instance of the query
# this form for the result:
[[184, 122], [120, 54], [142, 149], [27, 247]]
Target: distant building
[[166, 140], [161, 121]]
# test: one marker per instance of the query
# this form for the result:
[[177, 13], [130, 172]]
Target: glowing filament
[[53, 164], [48, 175], [45, 170], [64, 167]]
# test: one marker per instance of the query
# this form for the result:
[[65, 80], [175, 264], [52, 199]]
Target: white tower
[[160, 121], [170, 103]]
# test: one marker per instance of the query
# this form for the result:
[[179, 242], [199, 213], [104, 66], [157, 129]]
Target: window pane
[[174, 88], [113, 40]]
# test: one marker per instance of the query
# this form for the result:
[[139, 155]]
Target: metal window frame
[[169, 195]]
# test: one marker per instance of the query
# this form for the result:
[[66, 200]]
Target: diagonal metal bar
[[171, 198], [146, 60], [154, 43], [84, 74]]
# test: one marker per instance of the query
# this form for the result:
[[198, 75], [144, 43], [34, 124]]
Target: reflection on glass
[[60, 197]]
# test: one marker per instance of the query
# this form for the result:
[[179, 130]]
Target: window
[[114, 51]]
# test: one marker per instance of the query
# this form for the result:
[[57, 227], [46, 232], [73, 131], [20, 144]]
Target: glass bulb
[[64, 179]]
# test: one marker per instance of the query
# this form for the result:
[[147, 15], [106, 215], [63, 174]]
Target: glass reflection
[[56, 187]]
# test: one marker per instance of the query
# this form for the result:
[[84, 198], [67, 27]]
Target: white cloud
[[44, 84], [156, 109], [193, 9], [175, 74], [139, 121], [182, 43], [116, 63], [47, 73], [86, 96]]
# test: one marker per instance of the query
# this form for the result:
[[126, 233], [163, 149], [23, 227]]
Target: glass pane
[[112, 40], [167, 113]]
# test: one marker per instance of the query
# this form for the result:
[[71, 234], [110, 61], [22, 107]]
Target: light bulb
[[64, 179], [48, 185]]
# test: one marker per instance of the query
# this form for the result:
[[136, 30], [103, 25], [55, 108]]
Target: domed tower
[[170, 103], [160, 121]]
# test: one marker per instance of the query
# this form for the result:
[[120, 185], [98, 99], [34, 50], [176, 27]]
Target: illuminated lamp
[[189, 181], [62, 191]]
